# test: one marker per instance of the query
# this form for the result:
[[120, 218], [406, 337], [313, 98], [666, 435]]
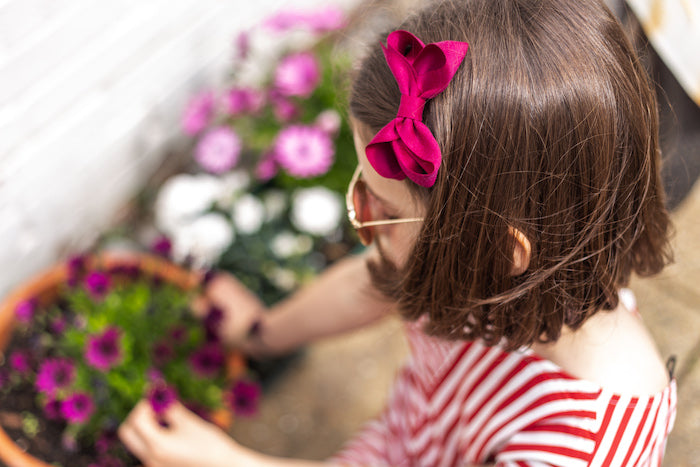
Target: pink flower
[[54, 374], [267, 168], [297, 75], [78, 408], [161, 396], [218, 150], [198, 113], [284, 109], [208, 360], [242, 45], [103, 351], [76, 268], [19, 362], [304, 151], [329, 121], [328, 18], [24, 312], [243, 398], [162, 352], [97, 284], [243, 100], [52, 408]]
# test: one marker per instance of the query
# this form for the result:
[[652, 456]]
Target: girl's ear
[[521, 252]]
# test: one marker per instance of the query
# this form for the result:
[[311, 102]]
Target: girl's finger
[[132, 441]]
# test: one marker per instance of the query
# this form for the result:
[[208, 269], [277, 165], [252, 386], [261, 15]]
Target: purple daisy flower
[[24, 312], [53, 374], [198, 113], [103, 351], [97, 284], [208, 360], [284, 109], [19, 362], [304, 151], [52, 408], [76, 266], [244, 397], [297, 75], [218, 150], [161, 396], [77, 408], [212, 323], [178, 334], [162, 246], [57, 325]]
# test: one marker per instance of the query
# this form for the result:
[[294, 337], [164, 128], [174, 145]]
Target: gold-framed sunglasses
[[359, 212]]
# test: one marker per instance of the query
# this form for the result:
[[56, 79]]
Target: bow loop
[[405, 147]]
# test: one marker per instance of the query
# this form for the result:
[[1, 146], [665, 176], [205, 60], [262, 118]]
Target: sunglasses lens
[[362, 211]]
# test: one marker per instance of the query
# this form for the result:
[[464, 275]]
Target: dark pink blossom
[[178, 334], [52, 408], [58, 325], [162, 246], [284, 109], [77, 408], [328, 18], [103, 351], [212, 323], [24, 312], [219, 150], [76, 267], [106, 441], [162, 352], [297, 75], [208, 361], [198, 113], [161, 396], [243, 398], [304, 151], [53, 374], [243, 100], [97, 284], [20, 362], [242, 45]]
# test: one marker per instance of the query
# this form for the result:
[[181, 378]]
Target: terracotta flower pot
[[45, 287]]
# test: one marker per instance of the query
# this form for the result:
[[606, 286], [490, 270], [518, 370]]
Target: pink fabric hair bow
[[405, 147]]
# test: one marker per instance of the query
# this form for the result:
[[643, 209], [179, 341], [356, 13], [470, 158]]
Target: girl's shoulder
[[613, 350]]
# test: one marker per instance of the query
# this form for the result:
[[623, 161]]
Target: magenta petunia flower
[[243, 100], [297, 75], [161, 396], [97, 284], [57, 325], [103, 351], [198, 113], [208, 360], [178, 334], [162, 246], [52, 408], [77, 408], [304, 151], [328, 18], [106, 441], [218, 150], [212, 323], [24, 312], [243, 398], [19, 362], [53, 374]]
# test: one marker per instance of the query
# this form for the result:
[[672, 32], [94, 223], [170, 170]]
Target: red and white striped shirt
[[460, 403]]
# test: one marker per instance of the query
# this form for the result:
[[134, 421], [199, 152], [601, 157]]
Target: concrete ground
[[339, 383]]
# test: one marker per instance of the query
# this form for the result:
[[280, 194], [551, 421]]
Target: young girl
[[508, 184]]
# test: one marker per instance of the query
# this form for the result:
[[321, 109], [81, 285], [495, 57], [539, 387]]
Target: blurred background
[[92, 103]]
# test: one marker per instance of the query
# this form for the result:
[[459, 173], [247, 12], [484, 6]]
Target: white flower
[[286, 244], [184, 197], [232, 185], [317, 210], [248, 214], [283, 278], [275, 203], [203, 240]]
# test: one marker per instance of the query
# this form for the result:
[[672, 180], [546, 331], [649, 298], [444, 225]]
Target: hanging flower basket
[[85, 340]]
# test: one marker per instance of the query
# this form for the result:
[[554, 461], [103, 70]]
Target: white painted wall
[[90, 91]]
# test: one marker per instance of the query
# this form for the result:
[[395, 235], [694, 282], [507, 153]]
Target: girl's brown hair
[[550, 127]]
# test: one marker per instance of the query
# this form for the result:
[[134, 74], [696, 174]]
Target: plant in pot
[[82, 343]]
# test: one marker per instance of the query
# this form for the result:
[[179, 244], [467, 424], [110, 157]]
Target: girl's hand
[[188, 440], [241, 307]]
